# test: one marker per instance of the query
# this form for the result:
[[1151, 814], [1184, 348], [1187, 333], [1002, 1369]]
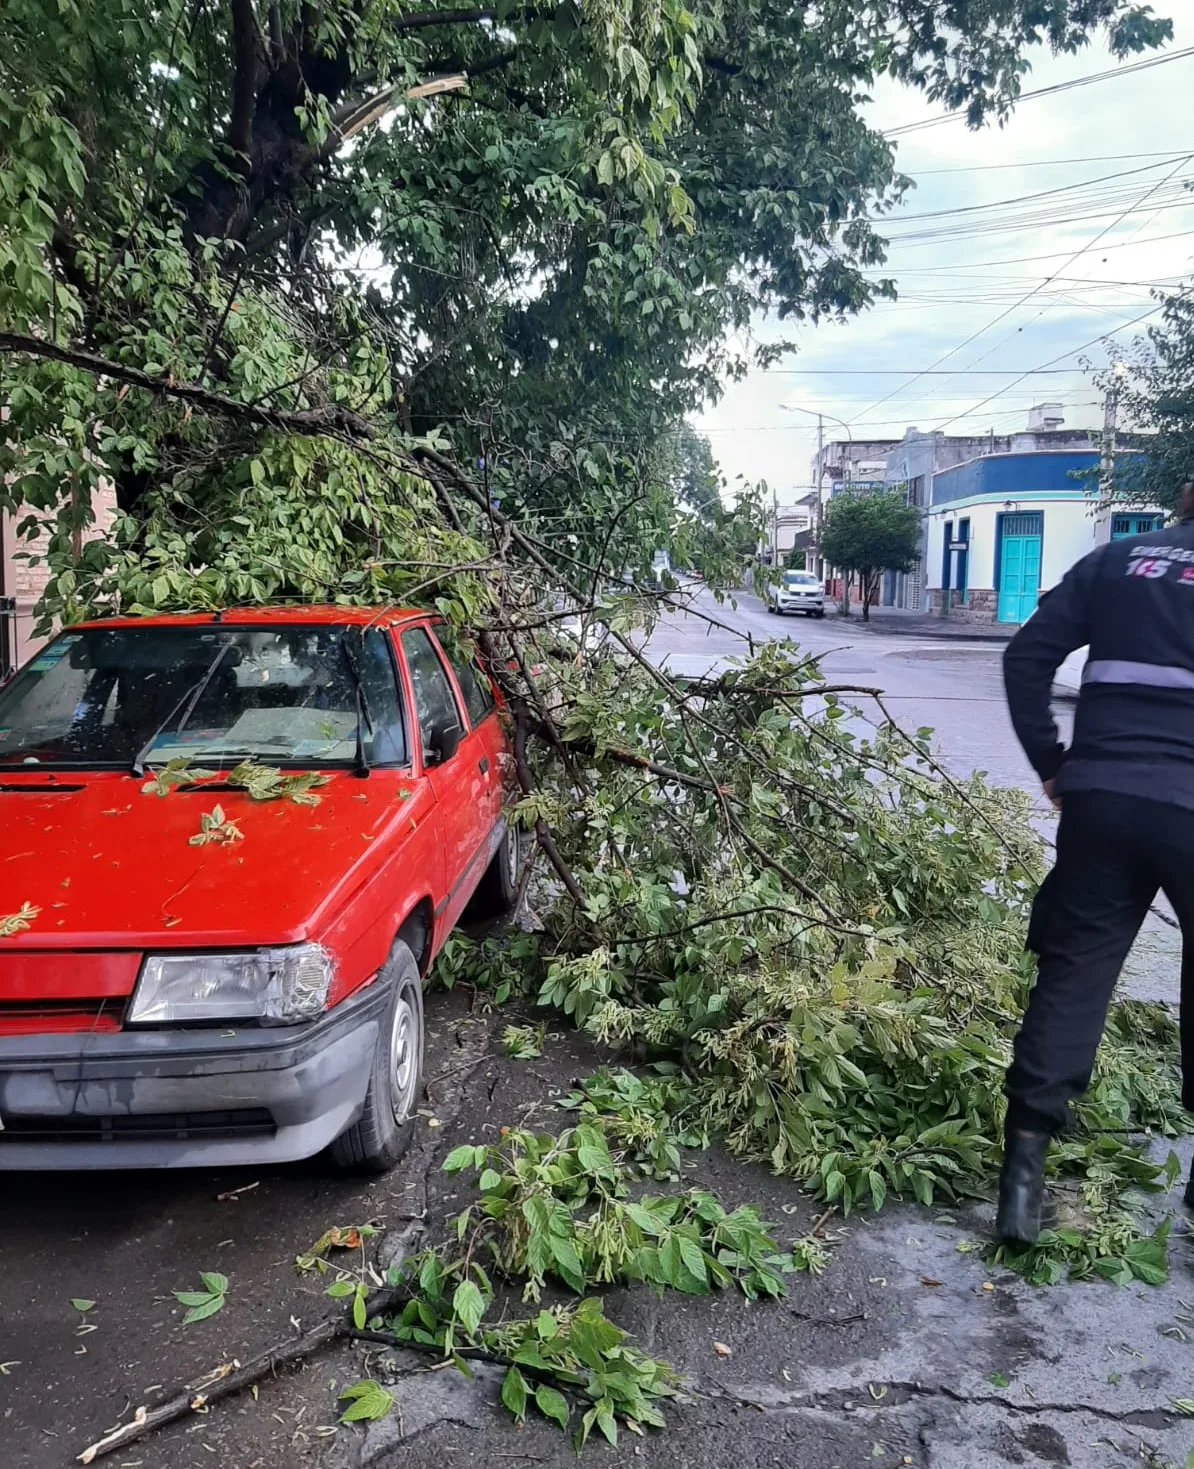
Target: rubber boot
[[1021, 1186]]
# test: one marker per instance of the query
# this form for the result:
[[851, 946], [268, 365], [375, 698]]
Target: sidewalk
[[895, 621]]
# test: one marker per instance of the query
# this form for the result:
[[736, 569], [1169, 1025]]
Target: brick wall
[[980, 605]]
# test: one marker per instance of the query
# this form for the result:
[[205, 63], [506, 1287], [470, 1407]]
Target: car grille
[[61, 1017], [247, 1122]]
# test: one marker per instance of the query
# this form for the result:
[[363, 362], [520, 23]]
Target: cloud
[[958, 274]]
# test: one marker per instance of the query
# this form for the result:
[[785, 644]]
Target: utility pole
[[1110, 420], [775, 527], [818, 567]]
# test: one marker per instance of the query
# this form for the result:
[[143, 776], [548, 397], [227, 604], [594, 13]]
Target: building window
[[1123, 526]]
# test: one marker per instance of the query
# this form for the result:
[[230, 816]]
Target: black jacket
[[1132, 602]]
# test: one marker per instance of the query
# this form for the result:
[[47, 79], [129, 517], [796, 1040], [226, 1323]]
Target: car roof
[[323, 613]]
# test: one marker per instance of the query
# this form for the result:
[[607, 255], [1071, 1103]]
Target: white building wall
[[1069, 533]]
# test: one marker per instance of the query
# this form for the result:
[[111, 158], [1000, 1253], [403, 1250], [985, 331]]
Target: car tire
[[820, 614], [771, 608], [382, 1133], [498, 888]]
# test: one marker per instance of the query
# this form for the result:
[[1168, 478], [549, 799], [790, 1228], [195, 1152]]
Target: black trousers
[[1114, 853]]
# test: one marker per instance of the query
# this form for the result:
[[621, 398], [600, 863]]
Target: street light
[[818, 414]]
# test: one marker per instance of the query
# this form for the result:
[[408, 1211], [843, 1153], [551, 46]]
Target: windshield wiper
[[185, 708], [360, 765]]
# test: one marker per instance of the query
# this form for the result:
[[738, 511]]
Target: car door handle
[[483, 766]]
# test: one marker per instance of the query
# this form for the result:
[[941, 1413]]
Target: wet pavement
[[906, 1351]]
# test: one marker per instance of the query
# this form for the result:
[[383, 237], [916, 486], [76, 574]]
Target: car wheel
[[821, 613], [382, 1133], [495, 894], [771, 608]]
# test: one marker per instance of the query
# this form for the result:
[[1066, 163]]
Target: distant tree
[[698, 480], [1154, 386], [796, 559], [868, 534]]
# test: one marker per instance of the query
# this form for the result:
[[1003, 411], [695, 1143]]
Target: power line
[[924, 173], [1003, 315], [1123, 173], [1098, 76], [765, 428], [1177, 197], [1127, 325], [1030, 259], [904, 371]]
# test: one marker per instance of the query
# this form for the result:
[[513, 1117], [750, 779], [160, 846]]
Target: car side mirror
[[443, 742]]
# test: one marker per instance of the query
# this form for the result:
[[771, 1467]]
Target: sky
[[1010, 276]]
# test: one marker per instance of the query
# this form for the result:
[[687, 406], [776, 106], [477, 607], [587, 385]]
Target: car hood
[[110, 867]]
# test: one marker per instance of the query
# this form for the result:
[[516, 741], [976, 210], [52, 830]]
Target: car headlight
[[272, 986]]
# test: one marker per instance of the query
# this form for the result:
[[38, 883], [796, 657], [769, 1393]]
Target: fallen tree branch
[[542, 832], [333, 421], [731, 916], [222, 1383]]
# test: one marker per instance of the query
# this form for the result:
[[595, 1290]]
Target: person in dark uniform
[[1125, 788]]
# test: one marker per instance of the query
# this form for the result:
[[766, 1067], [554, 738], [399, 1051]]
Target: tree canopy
[[261, 261], [869, 534], [1154, 385]]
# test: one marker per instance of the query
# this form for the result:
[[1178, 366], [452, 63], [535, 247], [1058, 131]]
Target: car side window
[[388, 744], [435, 704], [478, 695]]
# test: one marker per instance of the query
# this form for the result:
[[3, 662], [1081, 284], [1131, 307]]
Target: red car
[[230, 847]]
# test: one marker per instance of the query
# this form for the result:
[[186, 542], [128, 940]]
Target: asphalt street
[[906, 1352]]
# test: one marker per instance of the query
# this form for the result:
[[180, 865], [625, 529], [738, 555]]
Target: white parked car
[[799, 591]]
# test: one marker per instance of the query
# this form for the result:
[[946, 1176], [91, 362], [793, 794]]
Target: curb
[[896, 627]]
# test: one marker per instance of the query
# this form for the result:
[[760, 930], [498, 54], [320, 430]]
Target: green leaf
[[490, 1179], [606, 1421], [514, 1394], [468, 1305], [213, 1281], [82, 1305], [552, 1404], [459, 1159], [567, 1264], [358, 1308], [694, 1261], [367, 1401], [193, 1297], [202, 1312]]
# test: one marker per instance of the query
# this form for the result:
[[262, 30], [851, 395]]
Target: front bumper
[[801, 604], [186, 1098]]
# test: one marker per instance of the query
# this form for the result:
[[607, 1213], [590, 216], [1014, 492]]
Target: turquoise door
[[1019, 566]]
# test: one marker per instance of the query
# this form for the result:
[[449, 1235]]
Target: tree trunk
[[867, 584]]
